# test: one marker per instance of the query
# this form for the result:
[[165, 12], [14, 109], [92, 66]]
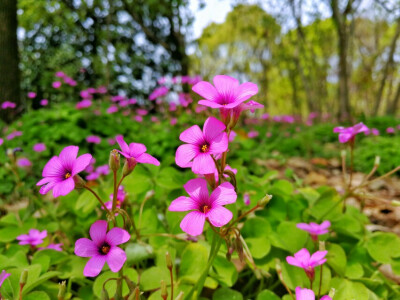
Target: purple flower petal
[[46, 188], [116, 259], [136, 149], [85, 248], [54, 168], [185, 153], [212, 128], [223, 194], [117, 236], [219, 216], [146, 158], [192, 135], [193, 223], [225, 84], [98, 231], [81, 163], [304, 294], [219, 144], [318, 258], [122, 144], [67, 156], [197, 189], [94, 265], [206, 90], [210, 104], [245, 91], [64, 187], [183, 203], [203, 164]]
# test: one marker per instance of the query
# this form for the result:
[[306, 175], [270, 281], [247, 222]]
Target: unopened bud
[[61, 290], [278, 266], [180, 296], [104, 294], [168, 260], [129, 166], [395, 202], [164, 291], [24, 277], [79, 182], [377, 160], [322, 246], [264, 201], [332, 293], [114, 160]]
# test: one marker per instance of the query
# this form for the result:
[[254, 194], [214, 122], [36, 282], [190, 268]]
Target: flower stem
[[215, 245], [98, 198], [114, 203], [320, 282], [172, 282]]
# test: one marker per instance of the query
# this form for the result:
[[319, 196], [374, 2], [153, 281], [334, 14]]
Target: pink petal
[[45, 180], [85, 248], [318, 258], [122, 144], [193, 223], [326, 298], [206, 90], [146, 158], [68, 156], [117, 236], [98, 231], [197, 189], [304, 294], [245, 91], [185, 153], [203, 164], [219, 144], [325, 225], [225, 84], [303, 226], [94, 265], [64, 187], [192, 135], [46, 188], [136, 149], [219, 216], [213, 128], [81, 163], [303, 256], [183, 203], [116, 259], [293, 261], [223, 194], [54, 168], [210, 104]]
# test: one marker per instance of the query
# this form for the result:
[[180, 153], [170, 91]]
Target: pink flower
[[123, 103], [158, 92], [349, 133], [246, 199], [31, 95], [227, 92], [102, 248], [390, 130], [94, 139], [227, 167], [39, 147], [33, 238], [112, 109], [154, 119], [172, 106], [44, 102], [117, 98], [56, 247], [315, 229], [3, 276], [60, 74], [13, 135], [173, 121], [141, 112], [1, 141], [252, 134], [24, 162], [303, 260], [201, 145], [83, 104], [86, 94], [59, 172], [374, 131], [135, 153], [56, 84], [306, 294], [202, 205], [265, 116], [102, 90], [139, 119], [111, 141], [8, 104]]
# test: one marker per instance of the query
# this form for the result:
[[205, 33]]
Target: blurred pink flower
[[306, 294], [56, 247], [33, 238], [348, 133], [303, 260], [44, 102], [315, 229], [94, 139], [158, 92], [3, 276], [253, 134], [390, 130], [85, 103], [60, 74], [138, 119], [112, 109], [56, 84], [24, 162], [8, 104], [39, 147], [31, 95], [13, 135], [173, 121]]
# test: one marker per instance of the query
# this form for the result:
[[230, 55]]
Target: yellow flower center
[[205, 209], [68, 175], [204, 148]]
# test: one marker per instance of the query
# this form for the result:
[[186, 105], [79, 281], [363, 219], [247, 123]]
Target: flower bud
[[395, 202], [377, 160], [168, 260], [24, 277], [114, 160], [129, 166], [164, 291], [61, 290], [180, 296], [322, 246], [332, 293], [264, 201]]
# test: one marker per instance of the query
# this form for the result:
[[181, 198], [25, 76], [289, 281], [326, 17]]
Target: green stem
[[320, 283], [114, 203], [98, 198], [215, 245]]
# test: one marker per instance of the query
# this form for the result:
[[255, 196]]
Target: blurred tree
[[9, 58]]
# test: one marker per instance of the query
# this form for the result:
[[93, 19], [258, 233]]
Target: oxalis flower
[[102, 248], [315, 229], [306, 294], [59, 172], [204, 206], [303, 260], [33, 238], [3, 276], [349, 133], [201, 145]]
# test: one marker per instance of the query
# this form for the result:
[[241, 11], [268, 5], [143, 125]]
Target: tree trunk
[[9, 59], [392, 108]]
